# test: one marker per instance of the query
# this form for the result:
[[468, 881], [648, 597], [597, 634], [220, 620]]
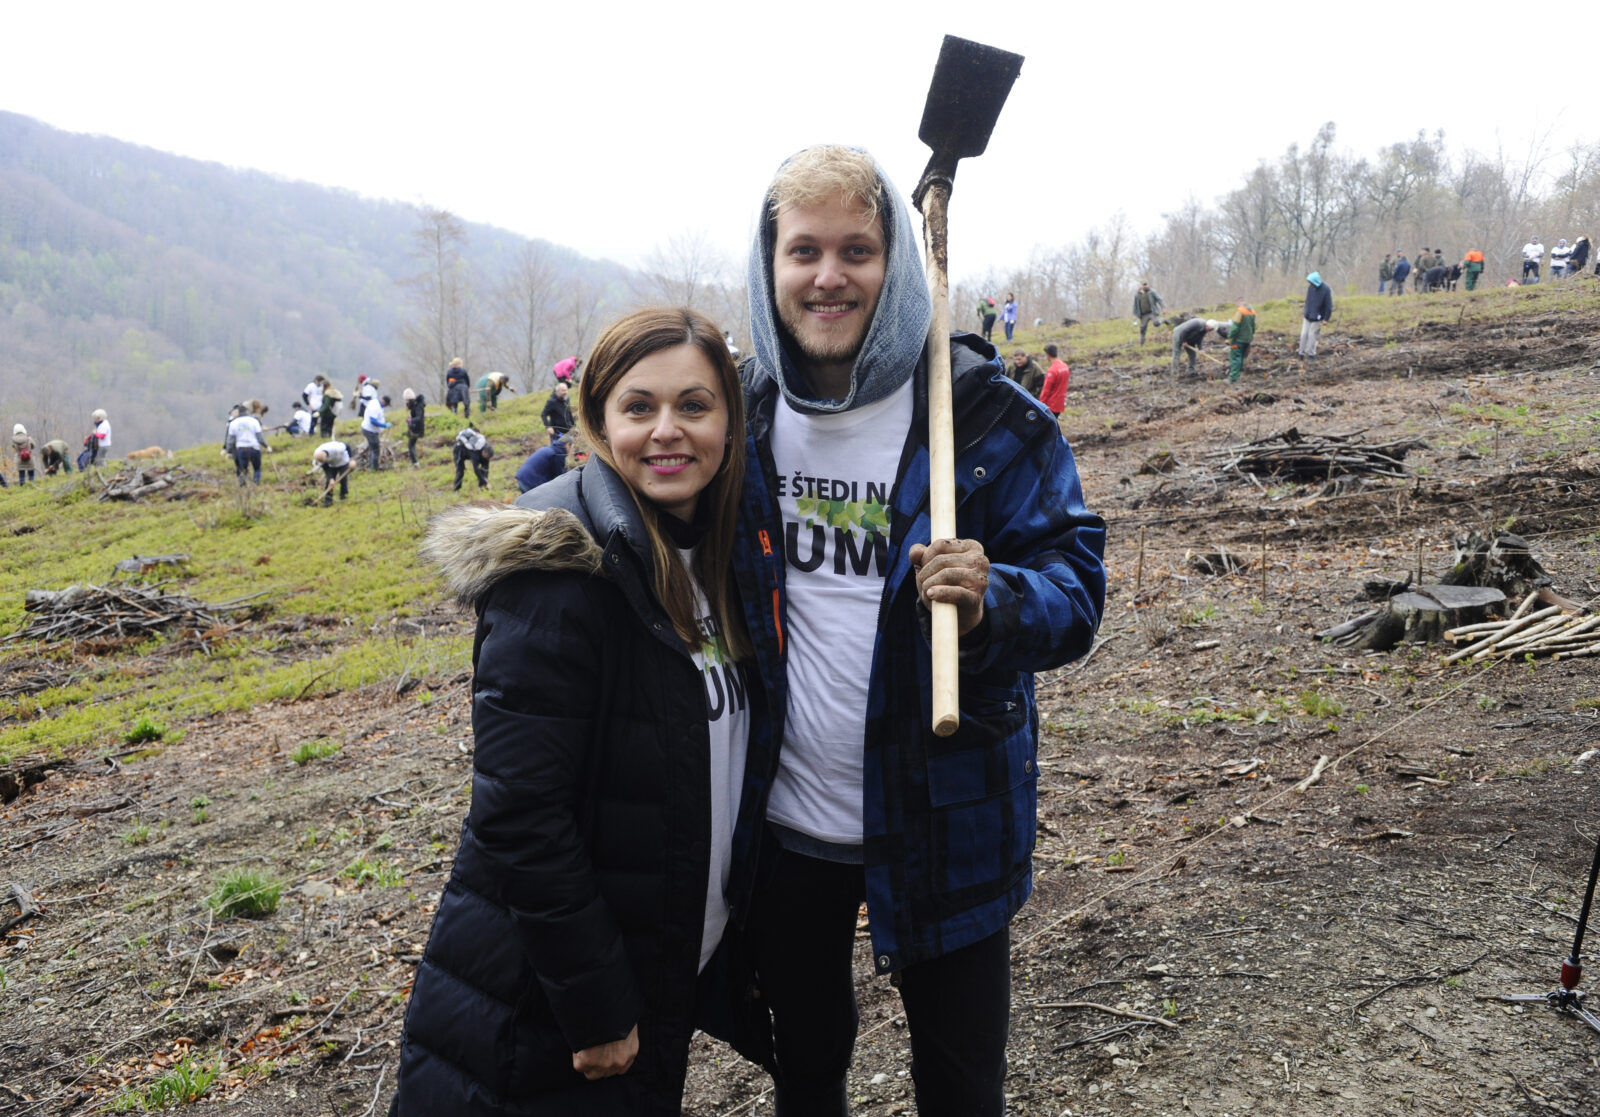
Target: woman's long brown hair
[[622, 345]]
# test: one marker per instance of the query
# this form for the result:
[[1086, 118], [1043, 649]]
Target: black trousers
[[958, 1006], [332, 473], [327, 424], [245, 459], [480, 466]]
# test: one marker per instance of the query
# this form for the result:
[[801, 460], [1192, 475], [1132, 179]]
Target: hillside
[[164, 289], [1329, 951]]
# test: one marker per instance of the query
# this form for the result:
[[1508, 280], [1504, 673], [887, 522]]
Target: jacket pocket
[[991, 752]]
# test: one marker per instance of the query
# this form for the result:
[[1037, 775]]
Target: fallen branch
[[1483, 646], [1382, 834], [24, 901], [1127, 1013], [1427, 975], [1316, 774]]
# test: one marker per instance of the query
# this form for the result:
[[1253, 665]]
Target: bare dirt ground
[[1336, 951]]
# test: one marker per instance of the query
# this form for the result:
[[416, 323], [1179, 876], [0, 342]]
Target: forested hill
[[163, 289]]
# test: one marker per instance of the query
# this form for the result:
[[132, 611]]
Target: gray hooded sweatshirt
[[895, 339]]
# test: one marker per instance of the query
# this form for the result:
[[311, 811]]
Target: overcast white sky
[[612, 126]]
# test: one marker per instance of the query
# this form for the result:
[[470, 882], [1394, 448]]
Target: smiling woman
[[579, 940], [666, 424]]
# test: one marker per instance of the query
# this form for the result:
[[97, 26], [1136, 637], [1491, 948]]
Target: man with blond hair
[[862, 801]]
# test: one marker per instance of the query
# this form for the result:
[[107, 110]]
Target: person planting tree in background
[[22, 443], [1146, 308], [1242, 331], [1318, 309], [56, 456], [458, 388], [1056, 378], [557, 413], [416, 421], [336, 460]]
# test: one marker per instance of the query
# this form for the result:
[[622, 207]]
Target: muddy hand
[[953, 572]]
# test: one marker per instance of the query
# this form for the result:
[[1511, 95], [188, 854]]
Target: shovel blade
[[970, 84]]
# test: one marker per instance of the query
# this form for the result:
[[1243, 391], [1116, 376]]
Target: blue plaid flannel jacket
[[949, 821]]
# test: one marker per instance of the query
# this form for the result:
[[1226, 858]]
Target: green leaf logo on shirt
[[869, 517]]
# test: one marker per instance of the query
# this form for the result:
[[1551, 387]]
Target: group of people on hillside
[[315, 412], [55, 456], [1565, 259], [1007, 315], [459, 389], [1430, 272]]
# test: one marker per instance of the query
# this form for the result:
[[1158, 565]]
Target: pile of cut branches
[[135, 484], [90, 612], [1293, 456], [1553, 631]]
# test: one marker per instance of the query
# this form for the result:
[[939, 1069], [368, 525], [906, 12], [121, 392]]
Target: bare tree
[[579, 306], [441, 295], [524, 309], [683, 271]]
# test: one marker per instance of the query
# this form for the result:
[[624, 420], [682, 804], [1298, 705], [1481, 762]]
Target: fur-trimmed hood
[[476, 545]]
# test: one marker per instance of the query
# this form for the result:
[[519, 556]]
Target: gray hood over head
[[899, 329]]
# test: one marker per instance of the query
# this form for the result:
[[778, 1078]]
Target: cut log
[[138, 564], [1423, 615]]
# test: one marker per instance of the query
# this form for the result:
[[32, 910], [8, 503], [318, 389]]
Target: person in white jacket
[[334, 459], [1532, 255], [244, 434], [373, 424], [311, 395], [1559, 255], [99, 437]]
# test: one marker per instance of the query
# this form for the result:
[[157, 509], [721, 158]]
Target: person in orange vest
[[1239, 339], [1472, 268]]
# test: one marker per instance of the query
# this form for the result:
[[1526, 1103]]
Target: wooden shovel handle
[[941, 457]]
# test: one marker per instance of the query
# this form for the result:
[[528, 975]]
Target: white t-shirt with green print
[[835, 475], [728, 726]]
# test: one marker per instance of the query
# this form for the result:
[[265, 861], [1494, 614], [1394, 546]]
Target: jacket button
[[1027, 767], [883, 961], [979, 472], [656, 626], [1031, 415], [615, 559]]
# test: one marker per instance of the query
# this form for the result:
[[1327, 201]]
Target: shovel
[[970, 85]]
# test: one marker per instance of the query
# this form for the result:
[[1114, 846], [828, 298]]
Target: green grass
[[245, 892], [180, 1085], [1319, 705], [144, 730], [314, 750], [380, 873], [1369, 315], [351, 570]]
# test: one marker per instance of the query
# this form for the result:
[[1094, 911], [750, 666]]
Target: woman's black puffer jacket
[[575, 907]]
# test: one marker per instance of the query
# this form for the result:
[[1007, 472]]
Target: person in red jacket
[[1054, 393]]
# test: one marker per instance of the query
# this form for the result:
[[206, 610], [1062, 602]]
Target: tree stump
[[1424, 614]]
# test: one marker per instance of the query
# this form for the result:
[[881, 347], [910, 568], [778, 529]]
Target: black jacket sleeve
[[535, 702]]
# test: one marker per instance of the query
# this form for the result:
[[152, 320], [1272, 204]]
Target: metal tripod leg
[[1568, 999]]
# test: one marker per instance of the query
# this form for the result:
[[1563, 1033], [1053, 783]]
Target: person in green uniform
[[489, 386], [1239, 339]]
